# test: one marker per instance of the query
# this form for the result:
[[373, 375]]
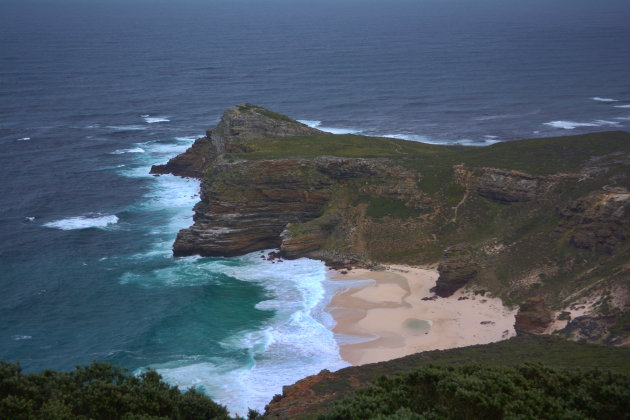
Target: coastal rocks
[[594, 328], [456, 269], [507, 185], [300, 399], [598, 221], [248, 205], [240, 212], [533, 317], [191, 163]]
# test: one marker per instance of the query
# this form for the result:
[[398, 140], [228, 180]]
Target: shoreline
[[386, 317]]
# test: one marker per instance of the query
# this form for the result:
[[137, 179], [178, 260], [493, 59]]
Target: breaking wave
[[83, 222]]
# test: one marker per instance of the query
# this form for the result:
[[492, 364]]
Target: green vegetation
[[98, 391], [535, 156], [484, 392], [379, 207], [549, 352], [484, 381], [547, 155], [342, 145], [246, 108]]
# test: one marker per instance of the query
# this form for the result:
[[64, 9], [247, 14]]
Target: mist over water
[[94, 93]]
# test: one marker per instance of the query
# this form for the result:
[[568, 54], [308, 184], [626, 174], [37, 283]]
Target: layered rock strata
[[240, 213]]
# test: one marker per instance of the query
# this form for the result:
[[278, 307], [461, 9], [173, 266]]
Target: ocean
[[94, 93]]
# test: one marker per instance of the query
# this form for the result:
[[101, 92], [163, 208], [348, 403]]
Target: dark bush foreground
[[483, 392], [102, 391], [98, 391]]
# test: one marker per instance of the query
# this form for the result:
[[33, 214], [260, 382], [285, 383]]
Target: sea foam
[[132, 150], [331, 130], [295, 343], [153, 120], [622, 106], [598, 99], [83, 222], [126, 127], [21, 337], [570, 125]]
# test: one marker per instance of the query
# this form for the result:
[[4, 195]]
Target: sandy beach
[[390, 318]]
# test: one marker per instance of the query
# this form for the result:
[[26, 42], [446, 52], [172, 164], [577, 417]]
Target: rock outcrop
[[533, 317], [591, 328], [456, 270], [240, 213], [508, 186], [239, 125], [599, 221]]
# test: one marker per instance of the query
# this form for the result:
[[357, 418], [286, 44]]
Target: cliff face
[[544, 218], [247, 205]]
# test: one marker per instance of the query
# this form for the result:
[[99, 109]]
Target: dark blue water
[[93, 93]]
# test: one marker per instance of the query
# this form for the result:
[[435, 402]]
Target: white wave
[[30, 218], [21, 337], [24, 139], [331, 130], [598, 99], [570, 125], [410, 137], [490, 137], [622, 106], [160, 148], [83, 222], [488, 140], [133, 150], [336, 130], [295, 343], [623, 118], [152, 120], [183, 272], [311, 123], [484, 142], [496, 117], [127, 127]]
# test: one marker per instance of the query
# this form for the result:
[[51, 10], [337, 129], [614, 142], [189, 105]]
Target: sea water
[[94, 93]]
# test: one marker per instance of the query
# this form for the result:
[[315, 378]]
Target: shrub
[[98, 391], [484, 392]]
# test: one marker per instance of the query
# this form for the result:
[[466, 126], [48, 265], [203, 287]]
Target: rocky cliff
[[541, 218]]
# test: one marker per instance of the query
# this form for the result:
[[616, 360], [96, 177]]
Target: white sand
[[391, 314]]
